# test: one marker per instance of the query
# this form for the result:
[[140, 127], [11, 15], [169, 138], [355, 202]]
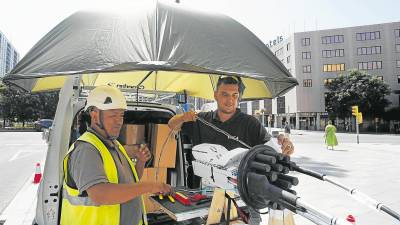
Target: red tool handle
[[182, 198]]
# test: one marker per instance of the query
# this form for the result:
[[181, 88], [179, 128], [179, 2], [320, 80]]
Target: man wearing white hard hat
[[101, 183]]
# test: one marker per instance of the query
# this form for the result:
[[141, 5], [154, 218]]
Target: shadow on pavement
[[321, 167], [339, 150]]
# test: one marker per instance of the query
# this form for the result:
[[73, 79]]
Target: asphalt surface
[[371, 166], [19, 153]]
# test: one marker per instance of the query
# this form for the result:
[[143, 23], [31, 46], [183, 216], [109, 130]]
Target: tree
[[24, 106], [392, 114], [357, 88]]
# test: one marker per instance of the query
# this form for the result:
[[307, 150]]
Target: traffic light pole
[[358, 139]]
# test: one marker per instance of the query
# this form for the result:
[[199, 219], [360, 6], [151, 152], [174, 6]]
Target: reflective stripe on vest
[[82, 210]]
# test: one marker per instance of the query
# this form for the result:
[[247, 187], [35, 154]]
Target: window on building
[[280, 105], [398, 63], [332, 53], [307, 69], [305, 41], [334, 67], [288, 47], [326, 53], [397, 32], [288, 59], [268, 106], [339, 52], [372, 65], [255, 105], [332, 39], [306, 55], [307, 83], [398, 79], [369, 50], [397, 47], [368, 36]]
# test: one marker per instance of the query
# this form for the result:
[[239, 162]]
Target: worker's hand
[[287, 146], [189, 116], [161, 188], [143, 154]]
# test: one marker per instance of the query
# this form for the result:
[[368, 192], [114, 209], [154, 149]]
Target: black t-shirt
[[247, 128]]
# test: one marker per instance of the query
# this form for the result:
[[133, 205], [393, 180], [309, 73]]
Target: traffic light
[[359, 117], [354, 110]]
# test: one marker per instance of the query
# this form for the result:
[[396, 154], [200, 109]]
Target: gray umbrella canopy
[[186, 48]]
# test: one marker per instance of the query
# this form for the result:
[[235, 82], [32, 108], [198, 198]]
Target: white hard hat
[[105, 98]]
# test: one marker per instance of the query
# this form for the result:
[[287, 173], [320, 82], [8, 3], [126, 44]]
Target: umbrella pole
[[138, 86]]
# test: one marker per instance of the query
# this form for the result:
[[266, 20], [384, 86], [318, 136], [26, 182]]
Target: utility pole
[[357, 130], [359, 119], [354, 112]]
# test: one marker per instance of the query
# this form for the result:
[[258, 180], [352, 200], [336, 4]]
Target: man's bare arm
[[175, 123]]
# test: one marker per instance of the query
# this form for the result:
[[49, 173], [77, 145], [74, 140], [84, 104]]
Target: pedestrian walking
[[330, 135], [287, 129]]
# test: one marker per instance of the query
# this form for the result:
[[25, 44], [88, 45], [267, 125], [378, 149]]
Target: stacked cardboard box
[[163, 146], [153, 174], [131, 150], [132, 134]]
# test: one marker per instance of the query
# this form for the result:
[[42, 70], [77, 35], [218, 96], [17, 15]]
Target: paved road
[[371, 166], [19, 153]]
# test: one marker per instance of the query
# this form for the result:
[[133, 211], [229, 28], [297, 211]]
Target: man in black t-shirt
[[228, 118]]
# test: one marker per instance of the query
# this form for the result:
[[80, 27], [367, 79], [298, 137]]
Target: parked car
[[42, 124]]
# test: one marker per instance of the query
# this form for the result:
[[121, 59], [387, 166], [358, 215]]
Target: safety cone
[[351, 219], [38, 174]]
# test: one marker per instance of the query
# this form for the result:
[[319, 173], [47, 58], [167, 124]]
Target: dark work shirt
[[247, 128]]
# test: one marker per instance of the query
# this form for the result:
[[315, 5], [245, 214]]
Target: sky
[[24, 22]]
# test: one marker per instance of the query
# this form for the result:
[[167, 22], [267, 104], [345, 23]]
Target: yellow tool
[[171, 198], [160, 196]]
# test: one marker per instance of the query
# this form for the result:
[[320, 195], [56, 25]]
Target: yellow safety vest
[[78, 210]]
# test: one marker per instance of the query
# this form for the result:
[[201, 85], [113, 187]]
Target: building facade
[[317, 57], [9, 56]]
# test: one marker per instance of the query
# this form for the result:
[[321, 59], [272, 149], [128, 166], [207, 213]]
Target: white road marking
[[23, 153]]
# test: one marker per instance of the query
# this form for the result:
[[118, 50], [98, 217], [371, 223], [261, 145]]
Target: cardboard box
[[149, 174], [151, 207], [131, 150], [159, 138], [132, 134]]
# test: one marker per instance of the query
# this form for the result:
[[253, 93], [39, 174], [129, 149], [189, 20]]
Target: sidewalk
[[371, 167]]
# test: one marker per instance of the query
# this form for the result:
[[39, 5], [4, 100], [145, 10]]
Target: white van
[[71, 101]]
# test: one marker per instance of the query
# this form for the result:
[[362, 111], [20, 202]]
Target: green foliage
[[357, 88], [392, 114], [25, 106]]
